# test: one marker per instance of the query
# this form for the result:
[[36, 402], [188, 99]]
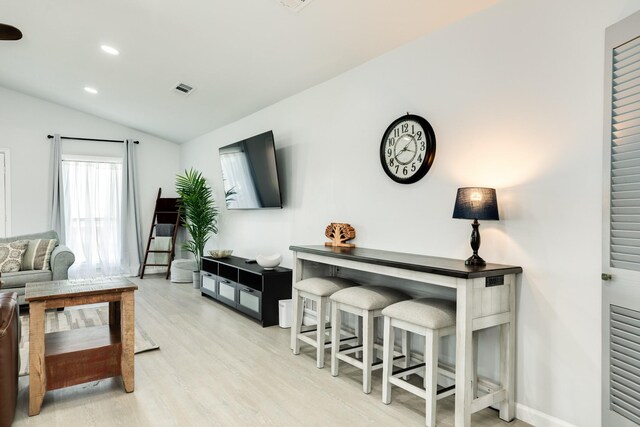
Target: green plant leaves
[[198, 210]]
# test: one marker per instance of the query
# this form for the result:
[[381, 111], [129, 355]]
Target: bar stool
[[366, 302], [317, 289], [431, 318]]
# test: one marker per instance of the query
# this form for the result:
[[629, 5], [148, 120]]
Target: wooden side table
[[63, 359]]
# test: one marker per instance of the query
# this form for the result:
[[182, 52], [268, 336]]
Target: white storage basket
[[182, 270]]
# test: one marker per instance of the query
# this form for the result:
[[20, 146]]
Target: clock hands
[[406, 147]]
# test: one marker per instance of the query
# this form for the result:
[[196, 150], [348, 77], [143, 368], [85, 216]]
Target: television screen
[[250, 173]]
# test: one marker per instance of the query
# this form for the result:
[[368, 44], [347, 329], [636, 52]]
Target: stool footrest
[[314, 329], [420, 392], [358, 363], [351, 349], [327, 344], [441, 393], [347, 339], [350, 360], [308, 340], [379, 362], [488, 400], [408, 371]]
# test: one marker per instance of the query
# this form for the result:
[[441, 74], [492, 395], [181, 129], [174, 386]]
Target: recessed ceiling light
[[110, 50], [91, 90]]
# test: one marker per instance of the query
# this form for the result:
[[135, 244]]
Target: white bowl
[[220, 253], [269, 262]]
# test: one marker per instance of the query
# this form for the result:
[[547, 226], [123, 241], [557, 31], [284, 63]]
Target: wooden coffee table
[[63, 359]]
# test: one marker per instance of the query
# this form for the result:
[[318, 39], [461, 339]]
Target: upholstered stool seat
[[367, 303], [369, 297], [323, 286], [317, 289], [428, 312], [433, 319]]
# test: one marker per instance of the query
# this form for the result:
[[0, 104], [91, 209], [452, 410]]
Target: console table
[[63, 359], [248, 288], [485, 298]]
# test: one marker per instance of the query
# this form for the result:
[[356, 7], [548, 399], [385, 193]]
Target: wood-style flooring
[[216, 367]]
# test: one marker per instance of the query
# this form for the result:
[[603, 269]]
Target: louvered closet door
[[621, 227]]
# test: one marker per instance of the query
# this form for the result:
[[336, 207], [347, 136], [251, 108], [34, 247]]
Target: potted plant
[[199, 214]]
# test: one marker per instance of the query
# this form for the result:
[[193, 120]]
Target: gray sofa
[[61, 259]]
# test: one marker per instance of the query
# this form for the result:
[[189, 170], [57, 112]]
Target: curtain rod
[[92, 139]]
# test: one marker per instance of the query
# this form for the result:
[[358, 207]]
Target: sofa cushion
[[11, 255], [38, 254], [18, 279], [51, 234]]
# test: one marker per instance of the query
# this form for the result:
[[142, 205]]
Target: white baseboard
[[537, 418]]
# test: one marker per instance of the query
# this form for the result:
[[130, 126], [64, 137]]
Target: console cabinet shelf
[[248, 288]]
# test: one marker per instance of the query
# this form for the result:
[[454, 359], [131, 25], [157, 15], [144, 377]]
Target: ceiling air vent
[[294, 5], [184, 88]]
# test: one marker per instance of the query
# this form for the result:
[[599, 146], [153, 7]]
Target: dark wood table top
[[42, 291], [426, 264]]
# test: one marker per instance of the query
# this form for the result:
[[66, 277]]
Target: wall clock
[[407, 149]]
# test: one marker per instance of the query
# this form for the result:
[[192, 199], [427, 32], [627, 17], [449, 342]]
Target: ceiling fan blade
[[7, 32]]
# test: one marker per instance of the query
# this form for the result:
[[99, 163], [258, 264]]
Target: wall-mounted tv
[[250, 170]]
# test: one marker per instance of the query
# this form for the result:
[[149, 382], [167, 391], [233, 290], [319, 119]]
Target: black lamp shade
[[476, 203]]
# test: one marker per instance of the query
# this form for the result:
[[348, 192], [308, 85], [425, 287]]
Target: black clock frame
[[430, 152]]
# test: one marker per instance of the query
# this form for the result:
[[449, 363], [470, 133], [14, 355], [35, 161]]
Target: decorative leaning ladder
[[166, 219]]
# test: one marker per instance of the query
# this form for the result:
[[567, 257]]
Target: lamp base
[[475, 260]]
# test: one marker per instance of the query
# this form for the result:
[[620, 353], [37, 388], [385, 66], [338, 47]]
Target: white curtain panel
[[56, 209], [130, 212], [93, 218]]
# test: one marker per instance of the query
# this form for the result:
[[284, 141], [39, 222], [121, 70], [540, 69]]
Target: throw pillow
[[38, 254], [11, 255]]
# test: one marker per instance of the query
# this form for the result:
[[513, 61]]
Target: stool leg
[[367, 352], [298, 309], [507, 365], [431, 375], [336, 326], [387, 360], [358, 331], [406, 350], [474, 366], [320, 340]]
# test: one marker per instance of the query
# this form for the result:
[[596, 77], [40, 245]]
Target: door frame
[[7, 190], [615, 35]]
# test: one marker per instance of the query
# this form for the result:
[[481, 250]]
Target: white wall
[[515, 95], [26, 121]]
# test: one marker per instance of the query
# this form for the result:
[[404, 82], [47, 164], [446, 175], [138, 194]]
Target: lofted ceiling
[[240, 55]]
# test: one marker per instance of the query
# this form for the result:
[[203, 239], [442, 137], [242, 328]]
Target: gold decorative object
[[339, 233]]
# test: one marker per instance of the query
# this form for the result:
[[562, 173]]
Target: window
[[92, 202]]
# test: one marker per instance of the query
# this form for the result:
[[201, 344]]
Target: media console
[[246, 287]]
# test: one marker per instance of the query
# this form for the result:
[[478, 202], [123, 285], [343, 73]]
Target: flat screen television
[[250, 171]]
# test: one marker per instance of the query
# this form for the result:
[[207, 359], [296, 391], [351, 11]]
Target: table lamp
[[476, 203]]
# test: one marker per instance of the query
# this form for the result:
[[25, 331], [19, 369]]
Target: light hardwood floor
[[216, 367]]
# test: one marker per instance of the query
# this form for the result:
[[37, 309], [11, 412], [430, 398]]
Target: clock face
[[407, 149]]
